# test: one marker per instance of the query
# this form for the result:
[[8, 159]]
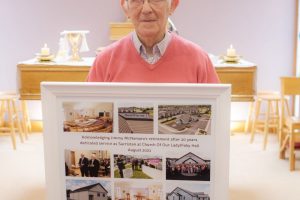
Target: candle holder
[[76, 42]]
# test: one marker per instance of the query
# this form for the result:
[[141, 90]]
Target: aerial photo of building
[[136, 119], [184, 119]]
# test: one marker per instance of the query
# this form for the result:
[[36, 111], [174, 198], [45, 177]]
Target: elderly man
[[94, 166], [151, 53], [83, 164]]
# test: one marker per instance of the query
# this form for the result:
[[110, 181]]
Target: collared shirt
[[158, 49]]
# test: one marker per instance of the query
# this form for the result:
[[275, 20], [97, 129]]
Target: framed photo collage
[[129, 141]]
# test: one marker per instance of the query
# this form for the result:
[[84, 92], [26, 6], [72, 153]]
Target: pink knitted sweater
[[182, 62]]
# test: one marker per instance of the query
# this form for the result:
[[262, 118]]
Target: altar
[[242, 76]]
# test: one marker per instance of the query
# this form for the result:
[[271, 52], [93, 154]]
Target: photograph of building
[[138, 191], [88, 190], [137, 167], [86, 163], [88, 117], [187, 191], [136, 119], [184, 119], [188, 167]]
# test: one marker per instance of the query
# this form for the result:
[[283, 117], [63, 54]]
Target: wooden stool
[[249, 121], [23, 110], [271, 116], [290, 123], [25, 118], [8, 106]]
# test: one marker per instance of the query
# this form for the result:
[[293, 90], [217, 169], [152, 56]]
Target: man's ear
[[124, 7], [174, 5]]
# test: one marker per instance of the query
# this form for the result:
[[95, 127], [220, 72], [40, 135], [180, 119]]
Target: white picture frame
[[210, 146]]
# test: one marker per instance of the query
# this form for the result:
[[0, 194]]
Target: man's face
[[149, 18]]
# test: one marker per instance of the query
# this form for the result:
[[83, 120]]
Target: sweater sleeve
[[96, 73], [211, 74]]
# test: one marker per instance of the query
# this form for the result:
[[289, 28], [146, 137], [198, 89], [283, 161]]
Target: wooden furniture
[[290, 125], [119, 30], [22, 109], [242, 76], [25, 118], [8, 107], [139, 197], [32, 73], [270, 118]]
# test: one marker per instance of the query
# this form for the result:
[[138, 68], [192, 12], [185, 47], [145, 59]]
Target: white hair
[[169, 1]]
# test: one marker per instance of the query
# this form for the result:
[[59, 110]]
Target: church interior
[[253, 45]]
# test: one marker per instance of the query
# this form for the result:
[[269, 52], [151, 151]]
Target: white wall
[[262, 31], [27, 25]]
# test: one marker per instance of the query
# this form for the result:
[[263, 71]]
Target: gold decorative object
[[76, 41]]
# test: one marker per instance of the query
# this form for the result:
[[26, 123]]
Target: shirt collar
[[160, 47]]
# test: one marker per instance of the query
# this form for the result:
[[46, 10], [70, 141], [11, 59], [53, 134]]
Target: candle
[[45, 51], [231, 51]]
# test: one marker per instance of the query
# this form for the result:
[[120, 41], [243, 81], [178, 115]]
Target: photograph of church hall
[[136, 119], [85, 163], [188, 167], [88, 117], [184, 119], [137, 166], [88, 190], [140, 190], [187, 191]]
